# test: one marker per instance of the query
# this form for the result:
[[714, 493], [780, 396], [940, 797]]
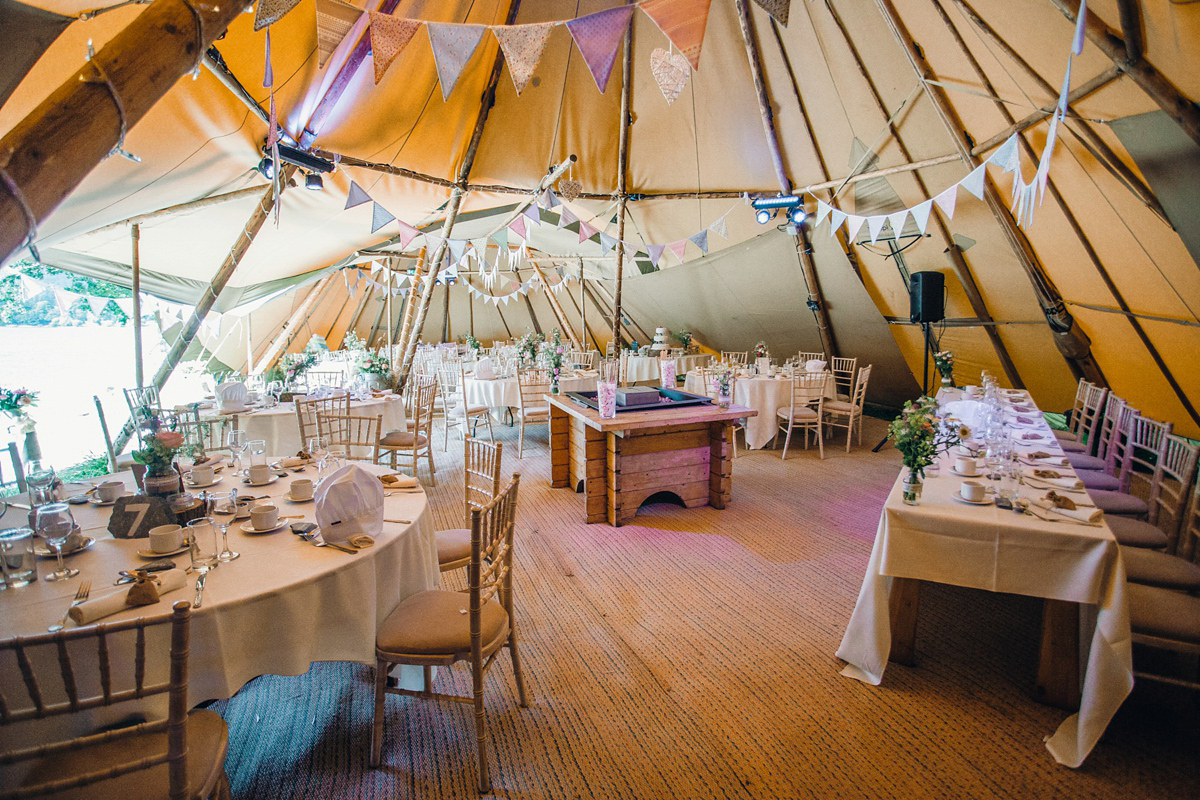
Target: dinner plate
[[187, 481], [150, 554], [986, 501], [248, 527], [260, 485], [40, 549]]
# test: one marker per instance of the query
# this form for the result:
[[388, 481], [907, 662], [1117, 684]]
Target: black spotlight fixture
[[764, 216], [791, 205], [266, 167], [799, 215], [313, 182]]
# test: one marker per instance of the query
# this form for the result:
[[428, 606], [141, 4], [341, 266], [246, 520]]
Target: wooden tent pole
[[1177, 106], [285, 333], [1099, 148], [1070, 339], [209, 298], [387, 265], [1131, 28], [623, 169], [502, 320], [585, 329], [1072, 220], [471, 313], [446, 312], [414, 286], [135, 234], [183, 208], [808, 269], [602, 291], [47, 154], [962, 270], [557, 308]]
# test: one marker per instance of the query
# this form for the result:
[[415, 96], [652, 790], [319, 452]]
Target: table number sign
[[134, 515]]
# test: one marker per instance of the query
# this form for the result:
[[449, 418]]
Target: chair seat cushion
[[433, 623], [1072, 446], [1093, 479], [801, 414], [838, 407], [1155, 568], [1165, 613], [1084, 461], [453, 545], [1118, 503], [535, 411], [207, 741], [1130, 532], [402, 439]]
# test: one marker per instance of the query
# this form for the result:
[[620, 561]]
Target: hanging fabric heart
[[569, 190], [671, 72]]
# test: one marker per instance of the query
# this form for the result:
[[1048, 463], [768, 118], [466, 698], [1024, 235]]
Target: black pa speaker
[[926, 297]]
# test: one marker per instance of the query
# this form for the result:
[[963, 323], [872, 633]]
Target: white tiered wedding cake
[[660, 340]]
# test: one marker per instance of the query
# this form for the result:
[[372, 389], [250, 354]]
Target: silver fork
[[81, 596]]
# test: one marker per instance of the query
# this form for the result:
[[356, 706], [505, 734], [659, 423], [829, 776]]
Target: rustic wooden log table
[[620, 462]]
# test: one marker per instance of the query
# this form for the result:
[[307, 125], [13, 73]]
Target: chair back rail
[[359, 435], [307, 410], [482, 466], [1169, 494], [1145, 449]]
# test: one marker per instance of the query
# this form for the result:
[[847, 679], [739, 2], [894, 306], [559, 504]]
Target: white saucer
[[260, 485], [986, 501], [150, 554], [248, 527], [101, 503], [975, 474], [291, 499], [187, 481], [41, 549]]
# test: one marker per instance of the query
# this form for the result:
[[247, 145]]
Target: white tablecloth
[[279, 429], [281, 606], [504, 392], [767, 395], [643, 368], [985, 547]]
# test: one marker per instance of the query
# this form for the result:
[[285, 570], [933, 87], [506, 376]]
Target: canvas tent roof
[[823, 73]]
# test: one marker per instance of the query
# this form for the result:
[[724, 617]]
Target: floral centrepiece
[[760, 350], [944, 361], [473, 343], [159, 452], [722, 382], [15, 403], [296, 364], [557, 351], [685, 338], [920, 435]]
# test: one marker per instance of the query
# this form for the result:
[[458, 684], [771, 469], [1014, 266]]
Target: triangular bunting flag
[[655, 252], [606, 243], [1006, 156], [407, 233], [598, 36], [334, 21], [97, 304], [523, 46], [453, 45], [379, 217], [836, 218], [585, 231], [531, 212], [389, 35], [64, 300], [356, 197], [875, 226], [776, 8], [920, 214], [897, 222], [125, 304], [946, 201], [457, 248], [500, 237], [548, 199], [823, 210], [973, 183], [720, 227], [683, 21], [700, 240], [678, 248], [566, 217], [271, 11], [32, 287], [517, 226], [854, 224], [1080, 29]]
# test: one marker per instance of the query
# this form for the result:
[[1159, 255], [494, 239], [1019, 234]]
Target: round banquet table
[[504, 392], [278, 428], [281, 606], [643, 368], [766, 395]]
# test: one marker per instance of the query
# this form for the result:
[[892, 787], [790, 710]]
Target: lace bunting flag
[[523, 46], [389, 35]]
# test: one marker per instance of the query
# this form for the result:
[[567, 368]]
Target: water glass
[[318, 448], [17, 561], [40, 480], [205, 546], [258, 451], [54, 524]]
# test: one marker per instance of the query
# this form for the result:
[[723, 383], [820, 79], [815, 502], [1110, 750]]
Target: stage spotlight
[[313, 182], [799, 215], [764, 216], [267, 168]]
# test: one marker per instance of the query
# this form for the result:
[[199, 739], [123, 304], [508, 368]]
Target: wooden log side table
[[619, 462]]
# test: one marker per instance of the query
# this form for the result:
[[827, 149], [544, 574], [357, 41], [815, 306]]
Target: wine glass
[[222, 506], [54, 524], [236, 441], [318, 448]]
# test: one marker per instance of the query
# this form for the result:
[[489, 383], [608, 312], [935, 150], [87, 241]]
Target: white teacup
[[965, 466], [301, 489], [166, 538], [259, 474], [109, 491], [266, 517], [972, 490], [972, 391], [202, 474]]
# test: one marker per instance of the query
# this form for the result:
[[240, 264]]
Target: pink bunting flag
[[334, 21], [655, 252], [683, 21], [678, 248], [585, 231], [389, 35], [453, 45], [523, 46], [380, 216], [271, 11], [407, 233], [598, 36], [517, 226], [566, 217], [357, 196]]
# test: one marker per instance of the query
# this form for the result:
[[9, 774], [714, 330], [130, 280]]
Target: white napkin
[[400, 480], [1052, 461], [232, 396], [88, 612], [349, 502], [814, 365], [484, 370], [1066, 482], [1088, 514]]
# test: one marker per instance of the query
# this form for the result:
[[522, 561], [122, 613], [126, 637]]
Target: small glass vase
[[162, 485], [911, 488], [554, 386], [947, 381], [724, 400]]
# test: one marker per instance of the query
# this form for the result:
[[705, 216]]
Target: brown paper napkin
[[100, 607], [399, 481], [1067, 507]]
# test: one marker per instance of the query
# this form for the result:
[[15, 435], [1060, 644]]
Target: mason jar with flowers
[[722, 382], [376, 369], [920, 435], [944, 361], [158, 456]]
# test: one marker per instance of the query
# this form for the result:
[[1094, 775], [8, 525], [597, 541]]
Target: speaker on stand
[[926, 305]]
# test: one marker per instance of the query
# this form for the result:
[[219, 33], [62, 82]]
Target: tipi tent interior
[[470, 187]]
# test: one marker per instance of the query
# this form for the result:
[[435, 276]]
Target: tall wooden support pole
[[192, 326], [1065, 209], [47, 154], [800, 237], [135, 234], [957, 261], [410, 308], [623, 173], [446, 333], [387, 265], [557, 308], [1070, 339], [285, 333], [1177, 106]]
